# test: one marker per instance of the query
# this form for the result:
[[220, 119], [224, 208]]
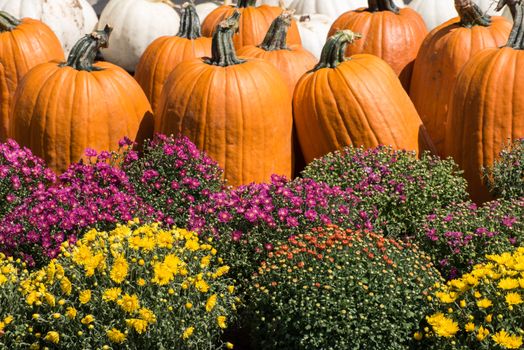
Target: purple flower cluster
[[257, 215], [21, 172], [172, 175], [93, 195], [403, 188], [463, 234]]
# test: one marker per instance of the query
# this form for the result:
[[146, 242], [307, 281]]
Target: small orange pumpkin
[[393, 34], [236, 110], [357, 101], [292, 61], [61, 108], [166, 52], [254, 23], [23, 44]]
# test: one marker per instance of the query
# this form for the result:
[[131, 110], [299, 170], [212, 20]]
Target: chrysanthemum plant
[[135, 287]]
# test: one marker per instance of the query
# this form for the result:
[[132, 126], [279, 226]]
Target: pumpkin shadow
[[145, 130], [425, 143]]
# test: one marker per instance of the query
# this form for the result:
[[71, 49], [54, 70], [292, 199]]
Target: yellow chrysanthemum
[[211, 302], [141, 282], [50, 299], [508, 283], [188, 332], [71, 312], [513, 299], [82, 255], [192, 244], [446, 298], [115, 336], [138, 325], [507, 340], [129, 303], [53, 337], [443, 326], [470, 327], [88, 319], [229, 345], [222, 270], [164, 239], [119, 270], [221, 322], [202, 286], [111, 294], [84, 296], [66, 286], [162, 274], [482, 333], [484, 303], [147, 315], [205, 261]]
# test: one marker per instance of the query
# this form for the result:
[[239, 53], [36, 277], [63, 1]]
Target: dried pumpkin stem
[[8, 22], [382, 5], [222, 48], [276, 36], [246, 3], [189, 23], [334, 51], [83, 54], [470, 14], [516, 36]]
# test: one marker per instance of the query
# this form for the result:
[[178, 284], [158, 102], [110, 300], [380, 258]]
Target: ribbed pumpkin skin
[[486, 112], [292, 63], [394, 38], [240, 115], [441, 57], [29, 44], [59, 111], [359, 103], [254, 24], [161, 57]]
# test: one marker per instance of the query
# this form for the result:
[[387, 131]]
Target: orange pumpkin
[[166, 52], [253, 25], [59, 109], [357, 101], [23, 44], [292, 61], [441, 57], [487, 108], [236, 110], [389, 33]]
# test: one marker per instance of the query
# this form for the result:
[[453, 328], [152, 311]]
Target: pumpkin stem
[[222, 48], [471, 15], [276, 36], [8, 22], [516, 36], [189, 23], [334, 51], [83, 54], [382, 5], [246, 3]]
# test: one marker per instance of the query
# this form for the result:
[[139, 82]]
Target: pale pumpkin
[[356, 101], [62, 108], [236, 110], [313, 31], [434, 12], [23, 45], [69, 19], [136, 24]]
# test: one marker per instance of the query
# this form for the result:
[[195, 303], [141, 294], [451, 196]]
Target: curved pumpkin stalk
[[334, 51], [382, 5], [470, 14], [516, 37], [223, 52], [83, 54], [246, 3], [189, 23], [8, 22], [276, 37]]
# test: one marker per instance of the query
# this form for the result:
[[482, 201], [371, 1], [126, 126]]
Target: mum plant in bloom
[[505, 178], [483, 309], [21, 173], [250, 219], [172, 175], [91, 195], [460, 236], [330, 288], [403, 188], [135, 287]]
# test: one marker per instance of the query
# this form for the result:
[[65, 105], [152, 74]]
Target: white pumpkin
[[98, 5], [69, 19], [331, 8], [286, 3], [313, 31], [136, 23], [434, 12], [489, 6], [205, 8]]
